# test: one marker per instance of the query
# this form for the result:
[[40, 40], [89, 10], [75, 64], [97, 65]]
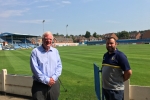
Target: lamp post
[[43, 25], [66, 28], [0, 37], [66, 32]]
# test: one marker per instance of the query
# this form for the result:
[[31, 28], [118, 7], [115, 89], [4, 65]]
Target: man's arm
[[125, 66], [127, 74]]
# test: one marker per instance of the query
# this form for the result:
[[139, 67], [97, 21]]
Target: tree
[[57, 34], [73, 38], [71, 35], [118, 35], [67, 36], [94, 34], [87, 34], [123, 35], [54, 34]]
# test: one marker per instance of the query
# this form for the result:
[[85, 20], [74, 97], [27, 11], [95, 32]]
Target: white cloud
[[66, 2], [10, 2], [43, 6], [9, 13], [19, 2]]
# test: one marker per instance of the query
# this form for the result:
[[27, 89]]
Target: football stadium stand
[[12, 41]]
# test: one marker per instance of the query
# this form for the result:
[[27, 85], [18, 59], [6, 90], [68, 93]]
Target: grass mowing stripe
[[5, 64], [140, 71], [23, 55], [20, 64], [76, 84], [78, 63], [85, 58], [74, 78], [82, 72]]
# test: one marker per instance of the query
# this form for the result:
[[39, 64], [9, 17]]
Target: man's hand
[[51, 82], [127, 74]]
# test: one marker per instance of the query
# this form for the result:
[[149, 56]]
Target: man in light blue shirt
[[46, 67]]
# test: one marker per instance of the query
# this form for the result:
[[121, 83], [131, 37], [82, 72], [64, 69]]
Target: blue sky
[[100, 16]]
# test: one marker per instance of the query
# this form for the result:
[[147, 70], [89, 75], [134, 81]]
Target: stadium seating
[[16, 46]]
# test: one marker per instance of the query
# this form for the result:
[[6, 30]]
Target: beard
[[111, 49]]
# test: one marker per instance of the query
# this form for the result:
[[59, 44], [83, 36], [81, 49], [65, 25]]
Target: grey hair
[[47, 33]]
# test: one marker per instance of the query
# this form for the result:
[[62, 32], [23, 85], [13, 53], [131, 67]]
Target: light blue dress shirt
[[45, 64]]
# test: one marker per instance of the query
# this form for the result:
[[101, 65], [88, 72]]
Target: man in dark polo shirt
[[115, 70]]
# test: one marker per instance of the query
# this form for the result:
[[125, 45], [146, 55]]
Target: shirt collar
[[43, 50], [116, 50]]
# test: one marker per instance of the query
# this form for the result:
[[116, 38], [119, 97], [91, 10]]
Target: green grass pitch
[[77, 75]]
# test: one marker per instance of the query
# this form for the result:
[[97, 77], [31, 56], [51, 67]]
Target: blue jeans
[[113, 94]]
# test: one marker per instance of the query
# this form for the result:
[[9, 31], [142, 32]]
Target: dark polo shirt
[[113, 67]]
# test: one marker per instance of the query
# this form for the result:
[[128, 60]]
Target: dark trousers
[[42, 91], [113, 94]]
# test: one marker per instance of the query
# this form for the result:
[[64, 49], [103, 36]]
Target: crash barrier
[[15, 84], [21, 85]]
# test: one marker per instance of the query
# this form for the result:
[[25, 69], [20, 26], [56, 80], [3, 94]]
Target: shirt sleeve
[[58, 67], [36, 69], [123, 62]]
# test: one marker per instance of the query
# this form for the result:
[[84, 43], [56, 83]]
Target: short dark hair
[[111, 38]]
